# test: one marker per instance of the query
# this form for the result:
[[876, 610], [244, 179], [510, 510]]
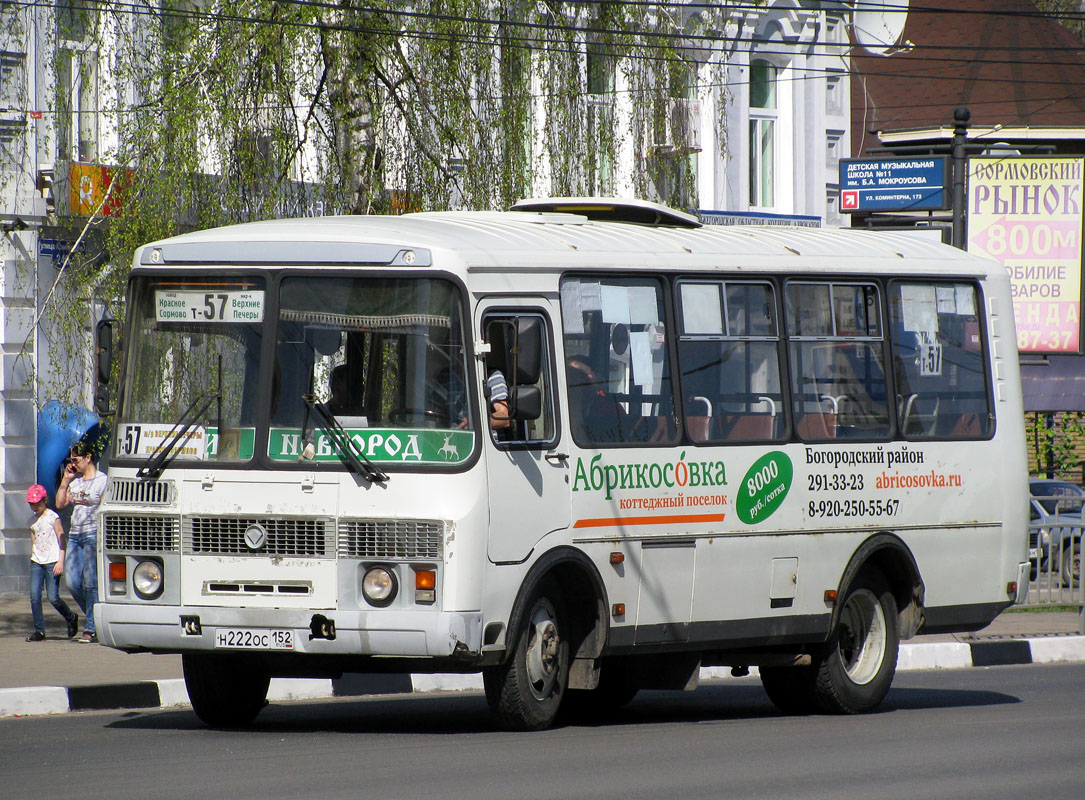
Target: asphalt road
[[970, 733]]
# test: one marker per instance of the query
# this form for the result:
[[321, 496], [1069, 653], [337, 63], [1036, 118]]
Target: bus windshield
[[193, 357], [380, 362], [384, 357]]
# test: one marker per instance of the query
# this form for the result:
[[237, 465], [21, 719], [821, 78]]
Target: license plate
[[254, 639]]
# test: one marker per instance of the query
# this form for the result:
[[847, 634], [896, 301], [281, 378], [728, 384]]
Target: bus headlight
[[379, 586], [147, 579]]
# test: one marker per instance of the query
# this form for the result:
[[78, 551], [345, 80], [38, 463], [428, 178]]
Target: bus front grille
[[283, 536], [139, 533], [126, 491], [391, 538]]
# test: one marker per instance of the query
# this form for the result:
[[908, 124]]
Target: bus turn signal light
[[118, 577], [617, 558], [425, 586]]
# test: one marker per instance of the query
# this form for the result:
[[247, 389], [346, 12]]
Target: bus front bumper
[[378, 632]]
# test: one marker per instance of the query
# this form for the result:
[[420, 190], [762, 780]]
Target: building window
[[834, 94], [77, 78], [763, 119], [600, 68], [833, 141], [76, 19]]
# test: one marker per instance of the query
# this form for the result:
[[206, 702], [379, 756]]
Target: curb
[[39, 700]]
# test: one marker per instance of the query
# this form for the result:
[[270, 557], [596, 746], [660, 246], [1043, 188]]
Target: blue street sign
[[896, 184], [57, 249]]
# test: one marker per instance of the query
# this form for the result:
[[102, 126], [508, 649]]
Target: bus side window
[[836, 346], [729, 361], [517, 392], [616, 361], [938, 361]]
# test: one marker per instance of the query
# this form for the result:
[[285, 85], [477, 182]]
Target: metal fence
[[1055, 544]]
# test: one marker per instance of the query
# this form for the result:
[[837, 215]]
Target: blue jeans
[[43, 574], [81, 572]]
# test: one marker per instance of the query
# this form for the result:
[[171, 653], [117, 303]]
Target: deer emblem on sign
[[449, 450]]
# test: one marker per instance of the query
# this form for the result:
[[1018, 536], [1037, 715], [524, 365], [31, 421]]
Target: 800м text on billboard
[[1026, 213]]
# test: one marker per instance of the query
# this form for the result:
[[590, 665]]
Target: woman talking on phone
[[82, 485]]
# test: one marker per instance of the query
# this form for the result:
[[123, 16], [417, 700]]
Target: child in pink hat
[[46, 562]]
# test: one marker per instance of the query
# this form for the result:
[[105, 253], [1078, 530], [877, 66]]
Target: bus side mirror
[[103, 349], [516, 349], [527, 349], [525, 403]]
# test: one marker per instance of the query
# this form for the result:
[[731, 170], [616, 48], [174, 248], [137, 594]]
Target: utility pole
[[961, 115]]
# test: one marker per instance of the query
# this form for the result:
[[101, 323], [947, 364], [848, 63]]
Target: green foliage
[[1056, 443], [235, 111], [1067, 13]]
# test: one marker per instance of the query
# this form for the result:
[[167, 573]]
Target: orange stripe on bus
[[615, 522]]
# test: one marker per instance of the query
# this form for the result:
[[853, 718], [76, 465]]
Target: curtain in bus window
[[378, 353], [938, 360], [729, 364], [617, 368], [836, 346]]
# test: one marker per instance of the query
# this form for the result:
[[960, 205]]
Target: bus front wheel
[[225, 691], [525, 692], [854, 669]]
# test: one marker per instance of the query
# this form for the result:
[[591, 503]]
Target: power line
[[836, 48], [573, 48]]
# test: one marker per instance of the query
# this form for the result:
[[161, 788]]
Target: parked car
[[1055, 525]]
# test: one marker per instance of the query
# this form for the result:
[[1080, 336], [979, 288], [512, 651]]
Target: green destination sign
[[410, 445]]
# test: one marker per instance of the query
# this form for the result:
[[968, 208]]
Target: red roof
[[999, 58]]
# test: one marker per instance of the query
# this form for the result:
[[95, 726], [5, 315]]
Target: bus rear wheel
[[854, 669], [525, 692], [225, 691]]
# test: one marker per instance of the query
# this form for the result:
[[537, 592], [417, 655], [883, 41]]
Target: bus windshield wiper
[[165, 453], [348, 450]]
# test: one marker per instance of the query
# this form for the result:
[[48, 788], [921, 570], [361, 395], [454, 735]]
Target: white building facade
[[757, 124]]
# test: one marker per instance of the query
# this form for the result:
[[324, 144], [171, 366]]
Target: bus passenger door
[[527, 470]]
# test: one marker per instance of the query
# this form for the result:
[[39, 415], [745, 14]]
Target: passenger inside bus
[[339, 399], [448, 399], [497, 393], [595, 414]]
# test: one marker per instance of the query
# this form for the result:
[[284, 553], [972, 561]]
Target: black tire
[[791, 689], [1070, 565], [525, 693], [225, 691], [854, 668]]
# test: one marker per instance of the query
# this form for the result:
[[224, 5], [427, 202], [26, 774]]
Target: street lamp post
[[961, 115]]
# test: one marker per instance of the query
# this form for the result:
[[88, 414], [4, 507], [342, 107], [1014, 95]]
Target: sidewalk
[[61, 674]]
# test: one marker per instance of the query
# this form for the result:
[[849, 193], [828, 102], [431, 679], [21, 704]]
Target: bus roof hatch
[[612, 209]]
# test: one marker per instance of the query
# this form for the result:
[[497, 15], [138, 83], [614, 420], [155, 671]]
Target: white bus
[[782, 448]]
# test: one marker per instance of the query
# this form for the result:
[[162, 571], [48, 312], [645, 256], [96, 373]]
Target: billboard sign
[[1026, 213], [89, 185], [894, 184]]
